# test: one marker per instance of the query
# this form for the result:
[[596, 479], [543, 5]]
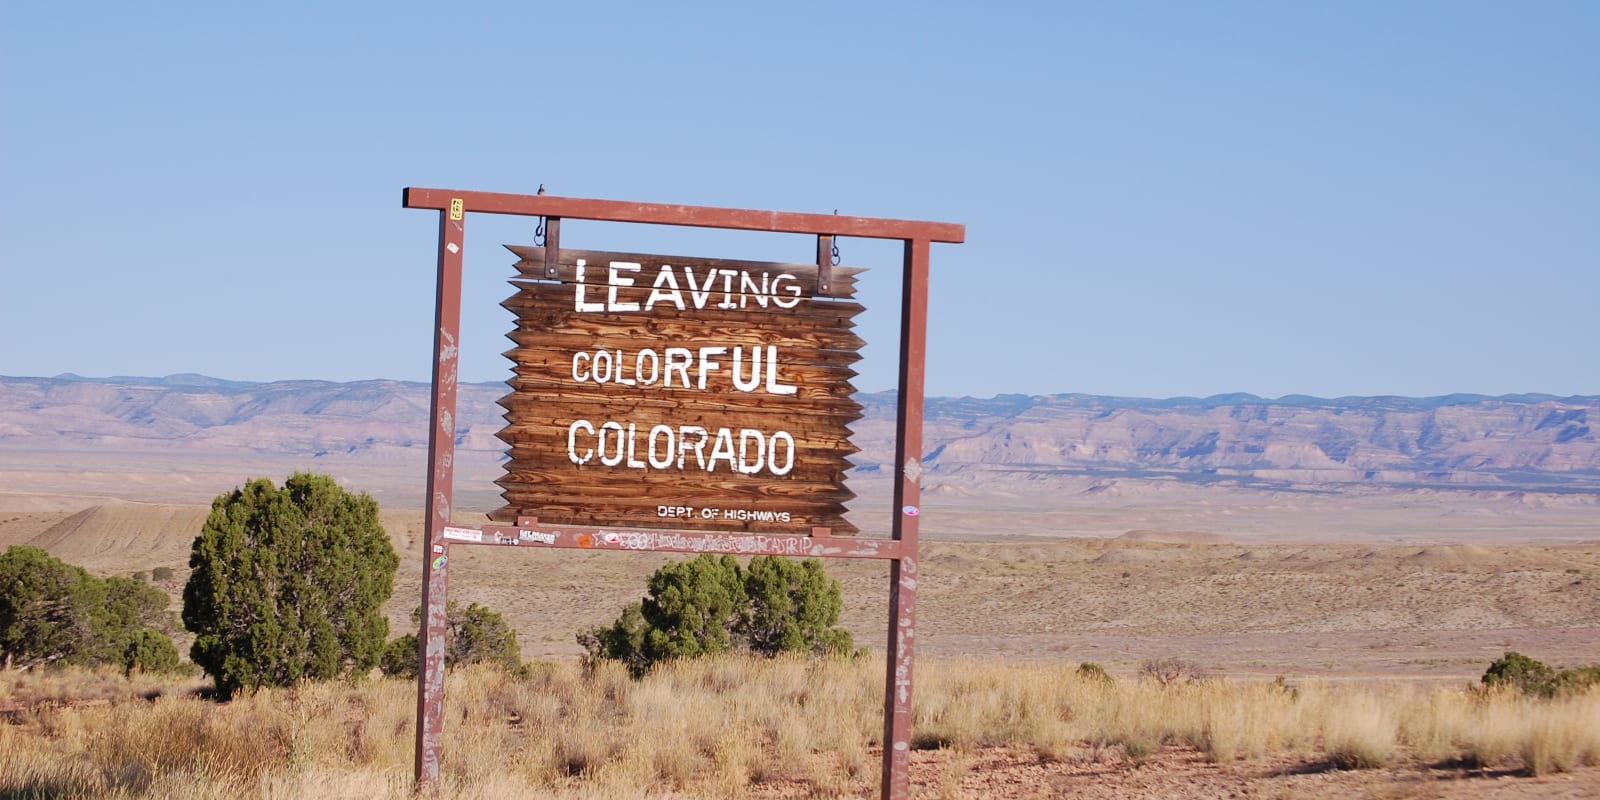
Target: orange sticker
[[585, 541]]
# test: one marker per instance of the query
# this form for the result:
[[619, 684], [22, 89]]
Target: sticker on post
[[439, 562], [910, 511], [463, 534], [542, 537]]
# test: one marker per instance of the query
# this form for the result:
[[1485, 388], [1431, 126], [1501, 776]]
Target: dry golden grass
[[717, 728]]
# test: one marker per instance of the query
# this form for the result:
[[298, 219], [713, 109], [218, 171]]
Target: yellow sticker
[[457, 207]]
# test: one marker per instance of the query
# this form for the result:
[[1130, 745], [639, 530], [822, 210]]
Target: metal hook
[[835, 254], [538, 233]]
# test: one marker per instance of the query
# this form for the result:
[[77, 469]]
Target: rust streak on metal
[[552, 248], [907, 515], [825, 266], [441, 488]]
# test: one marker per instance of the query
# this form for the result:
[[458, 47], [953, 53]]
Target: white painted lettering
[[773, 387], [727, 288], [707, 364], [655, 366], [633, 463], [609, 459], [772, 453], [698, 448], [722, 448], [699, 294], [622, 377], [792, 287], [746, 465], [617, 281], [658, 433], [754, 382], [572, 442], [578, 291], [678, 360], [673, 294]]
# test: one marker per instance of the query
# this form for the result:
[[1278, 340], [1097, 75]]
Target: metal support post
[[441, 491], [907, 511]]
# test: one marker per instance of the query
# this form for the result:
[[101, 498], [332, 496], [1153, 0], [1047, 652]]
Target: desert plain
[[1414, 584], [1385, 585]]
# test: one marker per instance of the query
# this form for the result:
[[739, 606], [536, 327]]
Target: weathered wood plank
[[548, 306], [617, 361], [654, 505], [579, 345], [553, 514], [659, 488], [552, 470], [685, 270], [634, 335], [810, 436], [536, 391], [555, 380], [666, 464], [811, 431]]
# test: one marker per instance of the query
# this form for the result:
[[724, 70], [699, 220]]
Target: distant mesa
[[1512, 443]]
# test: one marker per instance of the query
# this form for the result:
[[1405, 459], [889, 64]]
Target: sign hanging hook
[[548, 236], [835, 254], [539, 231]]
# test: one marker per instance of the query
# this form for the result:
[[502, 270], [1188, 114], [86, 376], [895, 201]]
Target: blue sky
[[1161, 199]]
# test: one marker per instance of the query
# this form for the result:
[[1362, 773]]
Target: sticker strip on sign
[[463, 534]]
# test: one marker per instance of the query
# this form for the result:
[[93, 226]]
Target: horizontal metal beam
[[532, 534], [544, 205]]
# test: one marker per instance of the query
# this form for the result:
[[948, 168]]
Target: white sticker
[[542, 537], [463, 534], [453, 248]]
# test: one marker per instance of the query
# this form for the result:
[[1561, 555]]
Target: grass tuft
[[718, 727]]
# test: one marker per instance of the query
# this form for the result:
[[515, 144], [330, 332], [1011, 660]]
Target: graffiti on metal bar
[[678, 541]]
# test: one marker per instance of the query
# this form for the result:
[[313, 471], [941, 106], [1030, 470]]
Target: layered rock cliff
[[1521, 441]]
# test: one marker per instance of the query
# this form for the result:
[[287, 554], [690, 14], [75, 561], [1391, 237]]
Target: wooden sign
[[678, 394], [682, 393]]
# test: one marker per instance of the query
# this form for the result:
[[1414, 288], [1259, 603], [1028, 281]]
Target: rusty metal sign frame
[[900, 549]]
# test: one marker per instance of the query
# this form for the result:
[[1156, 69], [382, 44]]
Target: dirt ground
[[1423, 587], [1179, 774]]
